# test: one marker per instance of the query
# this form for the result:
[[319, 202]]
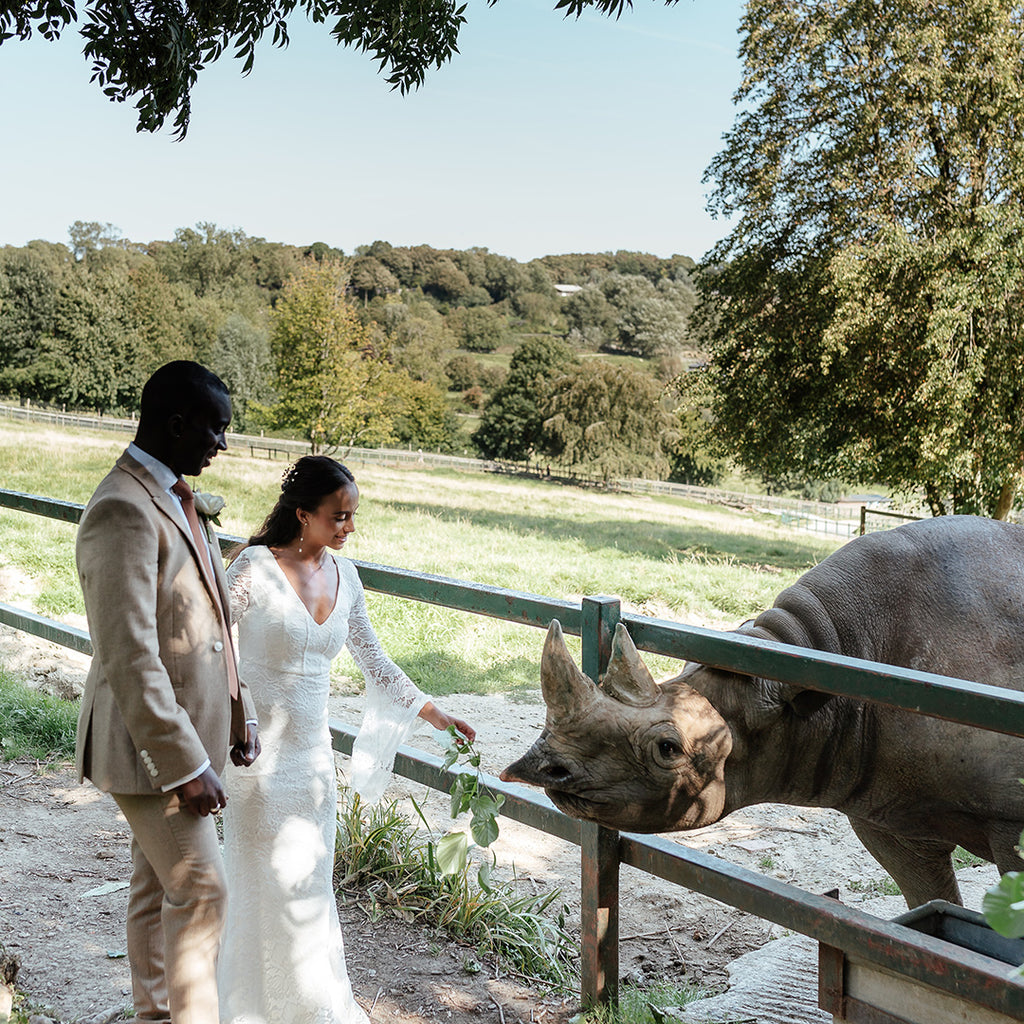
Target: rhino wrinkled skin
[[944, 595]]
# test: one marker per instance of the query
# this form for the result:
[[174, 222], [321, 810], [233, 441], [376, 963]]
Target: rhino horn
[[566, 689], [628, 679]]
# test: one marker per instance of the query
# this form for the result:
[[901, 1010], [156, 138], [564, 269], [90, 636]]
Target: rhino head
[[629, 754]]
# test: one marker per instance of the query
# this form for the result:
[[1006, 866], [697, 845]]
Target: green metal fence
[[918, 957]]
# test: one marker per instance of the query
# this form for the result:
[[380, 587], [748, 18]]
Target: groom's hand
[[203, 795], [243, 754]]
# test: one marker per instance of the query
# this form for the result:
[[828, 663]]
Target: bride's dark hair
[[305, 485]]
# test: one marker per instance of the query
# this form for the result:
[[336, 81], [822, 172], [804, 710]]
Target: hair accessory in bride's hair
[[289, 476]]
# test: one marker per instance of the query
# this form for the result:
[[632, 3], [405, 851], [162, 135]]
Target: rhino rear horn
[[566, 689], [627, 678]]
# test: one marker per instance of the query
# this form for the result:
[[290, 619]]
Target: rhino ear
[[628, 679], [802, 703], [805, 702], [566, 689]]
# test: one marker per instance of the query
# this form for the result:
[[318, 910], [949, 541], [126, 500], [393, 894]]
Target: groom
[[163, 705]]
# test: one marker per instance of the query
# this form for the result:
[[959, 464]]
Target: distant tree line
[[450, 350]]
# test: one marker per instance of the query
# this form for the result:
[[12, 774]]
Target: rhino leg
[[923, 869], [1004, 838]]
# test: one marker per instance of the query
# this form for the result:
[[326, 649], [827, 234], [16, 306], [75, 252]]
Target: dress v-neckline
[[298, 596]]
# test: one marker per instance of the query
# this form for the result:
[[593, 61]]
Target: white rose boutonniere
[[209, 506]]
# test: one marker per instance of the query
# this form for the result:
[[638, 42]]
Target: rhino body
[[944, 595]]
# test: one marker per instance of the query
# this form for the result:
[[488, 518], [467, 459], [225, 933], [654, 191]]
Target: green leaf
[[452, 853], [483, 875], [1003, 905], [484, 829], [484, 805], [463, 791]]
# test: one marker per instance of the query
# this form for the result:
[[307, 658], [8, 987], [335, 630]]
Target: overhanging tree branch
[[151, 51]]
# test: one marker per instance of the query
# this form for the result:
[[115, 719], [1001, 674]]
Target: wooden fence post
[[599, 846]]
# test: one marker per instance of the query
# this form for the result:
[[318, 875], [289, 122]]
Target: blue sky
[[542, 136]]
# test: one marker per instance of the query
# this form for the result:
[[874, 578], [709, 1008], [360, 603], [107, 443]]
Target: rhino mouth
[[574, 805]]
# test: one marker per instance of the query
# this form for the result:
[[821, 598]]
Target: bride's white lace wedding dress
[[282, 960]]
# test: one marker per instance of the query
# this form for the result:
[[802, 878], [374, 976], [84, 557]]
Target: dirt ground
[[64, 869]]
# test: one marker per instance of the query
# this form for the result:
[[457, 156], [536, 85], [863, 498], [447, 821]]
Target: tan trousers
[[176, 910]]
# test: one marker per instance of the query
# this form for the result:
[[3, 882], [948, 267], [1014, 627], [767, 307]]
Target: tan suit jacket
[[156, 704]]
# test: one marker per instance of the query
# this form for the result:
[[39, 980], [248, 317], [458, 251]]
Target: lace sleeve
[[392, 703], [239, 585]]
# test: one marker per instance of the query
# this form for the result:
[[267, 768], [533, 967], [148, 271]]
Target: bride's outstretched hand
[[441, 720], [462, 728]]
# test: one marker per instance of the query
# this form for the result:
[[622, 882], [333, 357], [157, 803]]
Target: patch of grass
[[34, 724], [876, 887], [389, 866], [650, 1005], [964, 859], [662, 555]]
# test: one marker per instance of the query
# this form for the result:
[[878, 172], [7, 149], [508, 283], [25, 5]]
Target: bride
[[282, 960]]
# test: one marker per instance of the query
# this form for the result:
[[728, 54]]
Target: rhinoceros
[[944, 595]]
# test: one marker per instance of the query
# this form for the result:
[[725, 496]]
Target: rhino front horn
[[566, 689], [628, 679]]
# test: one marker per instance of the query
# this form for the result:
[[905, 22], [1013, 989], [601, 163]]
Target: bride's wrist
[[433, 715]]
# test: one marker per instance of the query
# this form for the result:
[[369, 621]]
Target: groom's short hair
[[177, 388]]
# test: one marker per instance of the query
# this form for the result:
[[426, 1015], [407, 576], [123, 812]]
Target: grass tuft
[[650, 1005], [883, 886], [390, 866]]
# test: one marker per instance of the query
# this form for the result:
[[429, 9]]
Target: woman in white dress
[[282, 960]]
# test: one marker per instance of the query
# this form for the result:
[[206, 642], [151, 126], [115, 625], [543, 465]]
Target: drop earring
[[302, 533]]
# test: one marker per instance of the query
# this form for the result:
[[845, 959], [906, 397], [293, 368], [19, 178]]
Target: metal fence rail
[[894, 946]]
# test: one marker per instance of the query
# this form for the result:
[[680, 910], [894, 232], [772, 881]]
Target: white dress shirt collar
[[165, 477]]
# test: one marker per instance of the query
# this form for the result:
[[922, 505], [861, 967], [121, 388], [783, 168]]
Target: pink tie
[[188, 505]]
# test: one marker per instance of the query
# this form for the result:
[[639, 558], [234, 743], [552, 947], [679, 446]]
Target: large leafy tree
[[513, 419], [864, 314], [331, 382], [31, 279], [151, 51], [610, 420]]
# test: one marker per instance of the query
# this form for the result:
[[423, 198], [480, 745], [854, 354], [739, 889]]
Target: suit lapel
[[169, 507]]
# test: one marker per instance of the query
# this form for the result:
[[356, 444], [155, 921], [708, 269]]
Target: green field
[[704, 565]]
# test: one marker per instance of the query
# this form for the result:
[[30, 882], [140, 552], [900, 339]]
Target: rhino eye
[[669, 750]]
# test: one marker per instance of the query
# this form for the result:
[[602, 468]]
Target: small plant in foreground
[[1003, 904], [386, 863], [653, 1005], [468, 794]]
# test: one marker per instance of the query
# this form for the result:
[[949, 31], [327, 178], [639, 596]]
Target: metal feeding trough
[[958, 971]]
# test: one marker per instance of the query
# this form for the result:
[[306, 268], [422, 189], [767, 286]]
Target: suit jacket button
[[153, 771], [218, 646]]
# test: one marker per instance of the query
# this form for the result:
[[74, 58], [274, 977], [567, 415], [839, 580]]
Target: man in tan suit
[[163, 706]]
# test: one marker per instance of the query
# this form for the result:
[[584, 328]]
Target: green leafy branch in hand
[[468, 794]]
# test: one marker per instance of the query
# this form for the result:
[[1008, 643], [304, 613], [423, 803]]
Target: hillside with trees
[[459, 351]]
